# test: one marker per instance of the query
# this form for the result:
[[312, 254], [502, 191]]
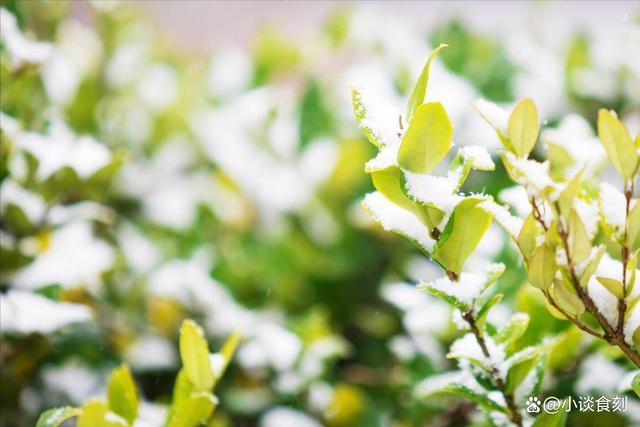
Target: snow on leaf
[[395, 219]]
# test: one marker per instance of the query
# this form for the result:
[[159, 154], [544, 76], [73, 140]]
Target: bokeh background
[[173, 159]]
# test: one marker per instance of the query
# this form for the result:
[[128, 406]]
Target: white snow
[[25, 312], [32, 204], [510, 223], [229, 72], [613, 206], [75, 257], [589, 215], [281, 416], [398, 220], [496, 116], [531, 173], [575, 136], [20, 48], [158, 86], [150, 352], [632, 323], [437, 190], [60, 147], [479, 157], [380, 117], [517, 198], [469, 285], [468, 347], [599, 374]]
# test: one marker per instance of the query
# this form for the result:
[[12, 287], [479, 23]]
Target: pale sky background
[[201, 25]]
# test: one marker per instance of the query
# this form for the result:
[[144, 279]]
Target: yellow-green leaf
[[56, 416], [568, 194], [542, 267], [566, 298], [193, 411], [122, 395], [591, 267], [524, 127], [617, 143], [463, 232], [614, 286], [528, 238], [378, 120], [427, 139], [194, 352], [420, 89], [95, 413], [389, 182], [633, 228], [579, 242]]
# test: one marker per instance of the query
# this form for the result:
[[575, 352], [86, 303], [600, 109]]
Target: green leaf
[[56, 416], [591, 266], [193, 411], [481, 399], [389, 182], [194, 352], [444, 296], [481, 317], [617, 143], [566, 298], [579, 242], [528, 238], [542, 267], [227, 351], [568, 194], [614, 286], [514, 329], [633, 228], [427, 139], [519, 371], [635, 384], [122, 395], [420, 89], [524, 127], [95, 413], [463, 232], [182, 388], [558, 419]]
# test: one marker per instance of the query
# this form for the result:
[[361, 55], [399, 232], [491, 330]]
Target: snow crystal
[[25, 312], [74, 258], [534, 174], [286, 417], [396, 219], [386, 157], [479, 156], [492, 113], [613, 205], [379, 117], [469, 285], [510, 223], [437, 190]]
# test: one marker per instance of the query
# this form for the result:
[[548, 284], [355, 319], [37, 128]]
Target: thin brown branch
[[514, 414]]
